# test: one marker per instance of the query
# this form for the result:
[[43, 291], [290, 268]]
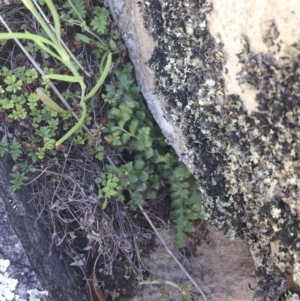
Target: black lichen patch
[[248, 166]]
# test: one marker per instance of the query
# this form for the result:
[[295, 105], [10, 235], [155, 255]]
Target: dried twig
[[171, 253]]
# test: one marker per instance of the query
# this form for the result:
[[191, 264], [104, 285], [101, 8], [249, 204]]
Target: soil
[[222, 269]]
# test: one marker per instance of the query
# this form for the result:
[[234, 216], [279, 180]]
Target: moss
[[248, 165]]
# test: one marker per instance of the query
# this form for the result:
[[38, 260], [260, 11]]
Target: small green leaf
[[176, 203], [143, 176], [116, 35], [7, 104], [83, 38], [104, 205], [133, 178], [155, 181], [114, 112], [177, 215], [10, 79], [192, 216], [17, 180], [15, 149], [100, 20], [113, 45], [151, 195], [125, 138], [197, 208], [133, 126], [18, 113], [149, 153], [188, 228], [140, 115], [139, 164], [141, 187], [74, 10], [3, 146], [181, 239]]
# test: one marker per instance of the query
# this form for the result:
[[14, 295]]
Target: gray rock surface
[[140, 46], [24, 245]]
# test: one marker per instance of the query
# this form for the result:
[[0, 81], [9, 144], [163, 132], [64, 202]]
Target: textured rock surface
[[270, 26], [19, 268], [236, 113], [25, 244], [223, 269]]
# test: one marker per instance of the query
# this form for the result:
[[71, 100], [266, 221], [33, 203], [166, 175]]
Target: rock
[[222, 81], [223, 269], [28, 263]]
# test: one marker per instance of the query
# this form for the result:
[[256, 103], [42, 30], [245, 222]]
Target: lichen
[[8, 286], [247, 165]]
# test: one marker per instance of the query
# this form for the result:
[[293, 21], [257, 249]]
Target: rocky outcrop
[[29, 266], [222, 81]]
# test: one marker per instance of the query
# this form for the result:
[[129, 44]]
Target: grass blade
[[75, 128], [55, 19], [83, 38], [102, 77], [49, 102], [65, 78]]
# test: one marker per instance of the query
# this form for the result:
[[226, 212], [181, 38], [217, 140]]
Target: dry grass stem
[[171, 253]]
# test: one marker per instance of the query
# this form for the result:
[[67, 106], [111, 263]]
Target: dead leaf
[[93, 291]]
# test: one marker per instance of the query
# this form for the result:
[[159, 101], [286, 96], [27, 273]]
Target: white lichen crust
[[248, 165], [8, 286]]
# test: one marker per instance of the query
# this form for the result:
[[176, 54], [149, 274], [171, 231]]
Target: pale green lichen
[[8, 286]]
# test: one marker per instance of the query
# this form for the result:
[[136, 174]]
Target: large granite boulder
[[222, 79]]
